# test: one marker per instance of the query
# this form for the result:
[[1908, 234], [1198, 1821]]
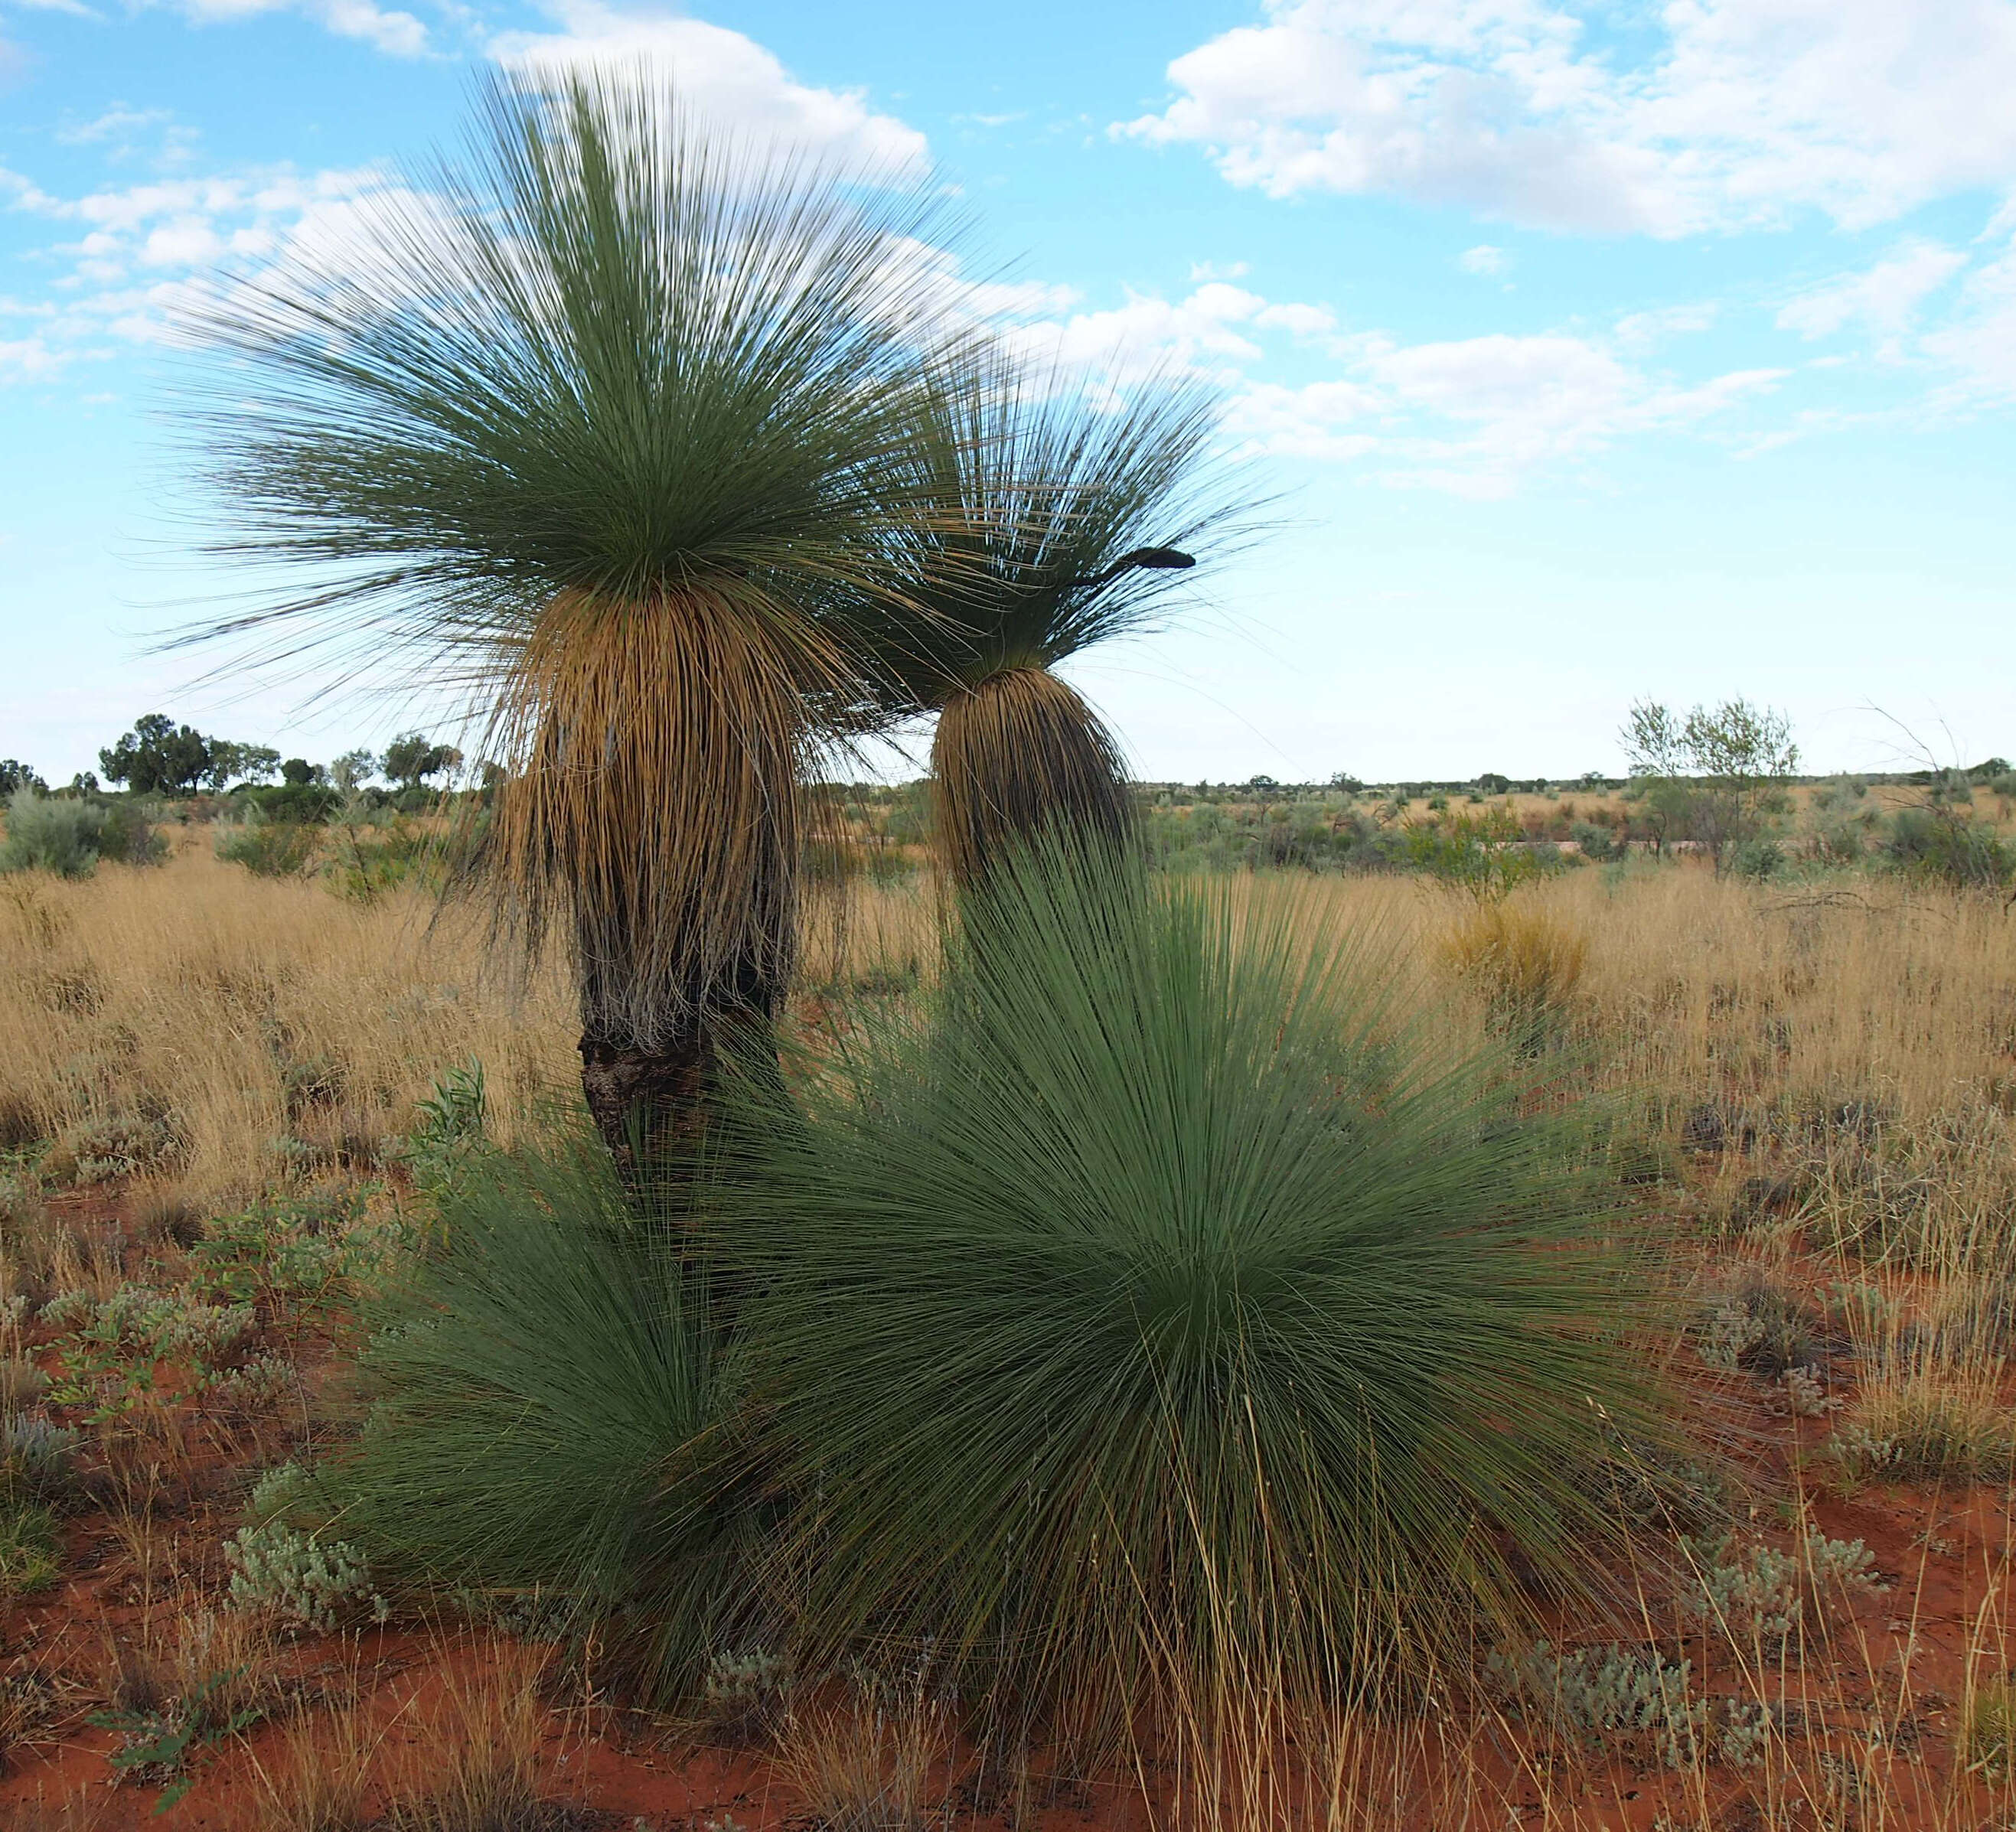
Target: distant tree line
[[158, 758]]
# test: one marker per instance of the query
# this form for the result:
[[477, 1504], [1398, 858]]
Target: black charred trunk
[[653, 1106]]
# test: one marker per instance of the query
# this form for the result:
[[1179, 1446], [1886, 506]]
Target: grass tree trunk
[[650, 1100], [1016, 756], [660, 809]]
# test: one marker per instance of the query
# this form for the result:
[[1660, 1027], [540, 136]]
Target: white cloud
[[1314, 422], [1885, 299], [1644, 330], [400, 34], [734, 79], [1484, 259], [28, 359], [1477, 416], [1214, 329], [1537, 382], [188, 241], [1538, 111], [23, 193], [1978, 342], [117, 123], [146, 246]]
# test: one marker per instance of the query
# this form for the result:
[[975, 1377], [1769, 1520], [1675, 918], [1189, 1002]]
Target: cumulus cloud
[[399, 34], [143, 247], [129, 253], [1700, 114], [731, 78], [116, 123], [1646, 330], [27, 359], [1484, 259]]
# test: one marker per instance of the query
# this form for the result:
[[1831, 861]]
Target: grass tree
[[600, 423], [555, 1418], [1158, 1313], [1076, 508]]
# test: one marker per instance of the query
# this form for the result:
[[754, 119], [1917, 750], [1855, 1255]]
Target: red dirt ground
[[1883, 1697]]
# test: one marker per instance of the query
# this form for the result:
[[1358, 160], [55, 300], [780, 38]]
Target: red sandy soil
[[1882, 1696]]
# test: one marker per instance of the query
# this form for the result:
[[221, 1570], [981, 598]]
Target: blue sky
[[1604, 349]]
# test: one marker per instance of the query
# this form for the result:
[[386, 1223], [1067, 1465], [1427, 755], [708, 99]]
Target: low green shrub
[[1599, 844], [269, 848], [364, 859], [295, 804], [1758, 1596], [51, 833], [1632, 1698], [116, 1145], [69, 834], [129, 837], [303, 1581], [1757, 859], [1951, 848]]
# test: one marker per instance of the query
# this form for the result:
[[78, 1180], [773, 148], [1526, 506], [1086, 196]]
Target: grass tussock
[[481, 1761], [1526, 962], [862, 1766]]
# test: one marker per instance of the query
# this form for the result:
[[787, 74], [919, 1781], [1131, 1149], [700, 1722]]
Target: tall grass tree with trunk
[[600, 424], [1074, 509]]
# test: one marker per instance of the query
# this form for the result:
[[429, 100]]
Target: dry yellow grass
[[209, 1014], [212, 1015]]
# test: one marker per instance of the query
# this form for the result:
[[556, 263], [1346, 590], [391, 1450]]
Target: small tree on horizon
[[1716, 774], [352, 770], [232, 763], [410, 760], [158, 757]]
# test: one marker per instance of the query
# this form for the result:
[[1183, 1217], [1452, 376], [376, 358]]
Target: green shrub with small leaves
[[1597, 1696], [1758, 1596], [51, 833], [269, 848], [305, 1581]]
